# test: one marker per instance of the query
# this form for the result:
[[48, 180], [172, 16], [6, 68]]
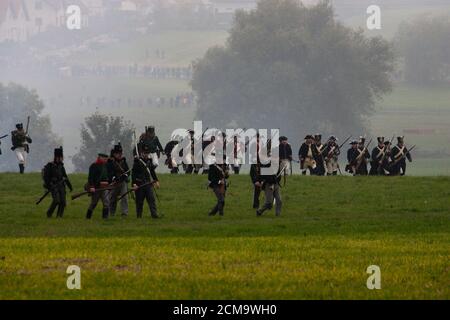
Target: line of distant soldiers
[[110, 175]]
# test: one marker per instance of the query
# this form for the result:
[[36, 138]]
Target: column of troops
[[109, 176]]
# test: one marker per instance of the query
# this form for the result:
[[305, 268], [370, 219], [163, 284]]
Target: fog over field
[[136, 59]]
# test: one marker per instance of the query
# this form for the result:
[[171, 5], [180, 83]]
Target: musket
[[360, 157], [49, 191], [28, 125], [3, 137], [130, 191], [78, 195], [380, 164]]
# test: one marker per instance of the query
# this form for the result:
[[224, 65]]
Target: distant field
[[330, 231]]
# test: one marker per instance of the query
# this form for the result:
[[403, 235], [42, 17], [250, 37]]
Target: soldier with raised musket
[[55, 181], [308, 155], [380, 158], [331, 153], [217, 181], [98, 181], [20, 145], [399, 154], [118, 171], [144, 181]]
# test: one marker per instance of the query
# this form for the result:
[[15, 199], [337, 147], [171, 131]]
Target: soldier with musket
[[151, 140], [144, 181], [255, 171], [118, 171], [308, 156], [270, 183], [398, 155], [217, 181], [98, 181], [331, 153], [20, 145], [320, 169], [170, 162], [55, 181], [380, 158], [285, 154]]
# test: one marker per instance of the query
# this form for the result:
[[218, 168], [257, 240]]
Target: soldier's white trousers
[[155, 160], [332, 165], [21, 155], [285, 163]]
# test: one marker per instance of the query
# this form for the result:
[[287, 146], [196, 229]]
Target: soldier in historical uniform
[[98, 179], [144, 181], [357, 157], [20, 145], [308, 155], [352, 155], [217, 181], [398, 155], [331, 154], [285, 154], [55, 180], [151, 140], [118, 171], [380, 158], [320, 169], [170, 162], [188, 160], [270, 183]]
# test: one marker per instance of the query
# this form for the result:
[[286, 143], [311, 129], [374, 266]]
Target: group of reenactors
[[110, 175]]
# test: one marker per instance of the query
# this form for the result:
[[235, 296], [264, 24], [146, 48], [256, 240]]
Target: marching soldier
[[398, 155], [170, 162], [332, 152], [118, 171], [20, 145], [363, 157], [98, 179], [55, 181], [272, 190], [217, 179], [307, 155], [285, 154], [151, 140], [144, 180], [320, 170], [380, 158], [352, 156]]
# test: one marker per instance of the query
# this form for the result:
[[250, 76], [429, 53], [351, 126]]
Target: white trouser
[[285, 163], [21, 155], [332, 165], [155, 160]]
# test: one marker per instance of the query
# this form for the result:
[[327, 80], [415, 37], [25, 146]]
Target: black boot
[[105, 213], [89, 214], [21, 168]]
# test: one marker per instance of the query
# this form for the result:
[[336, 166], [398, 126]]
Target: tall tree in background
[[424, 44], [99, 133], [16, 103], [295, 68]]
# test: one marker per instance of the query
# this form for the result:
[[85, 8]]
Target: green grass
[[330, 231]]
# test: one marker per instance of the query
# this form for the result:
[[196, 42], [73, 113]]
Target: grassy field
[[330, 231]]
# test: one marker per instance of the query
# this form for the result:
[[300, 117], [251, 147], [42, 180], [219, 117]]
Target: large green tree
[[424, 45], [16, 104], [292, 67], [99, 133]]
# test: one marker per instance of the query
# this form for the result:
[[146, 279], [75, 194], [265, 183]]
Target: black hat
[[318, 137], [308, 136], [380, 139], [59, 152], [353, 142], [332, 138], [400, 139], [19, 126], [150, 129], [117, 148], [283, 138], [103, 155], [362, 139], [386, 143]]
